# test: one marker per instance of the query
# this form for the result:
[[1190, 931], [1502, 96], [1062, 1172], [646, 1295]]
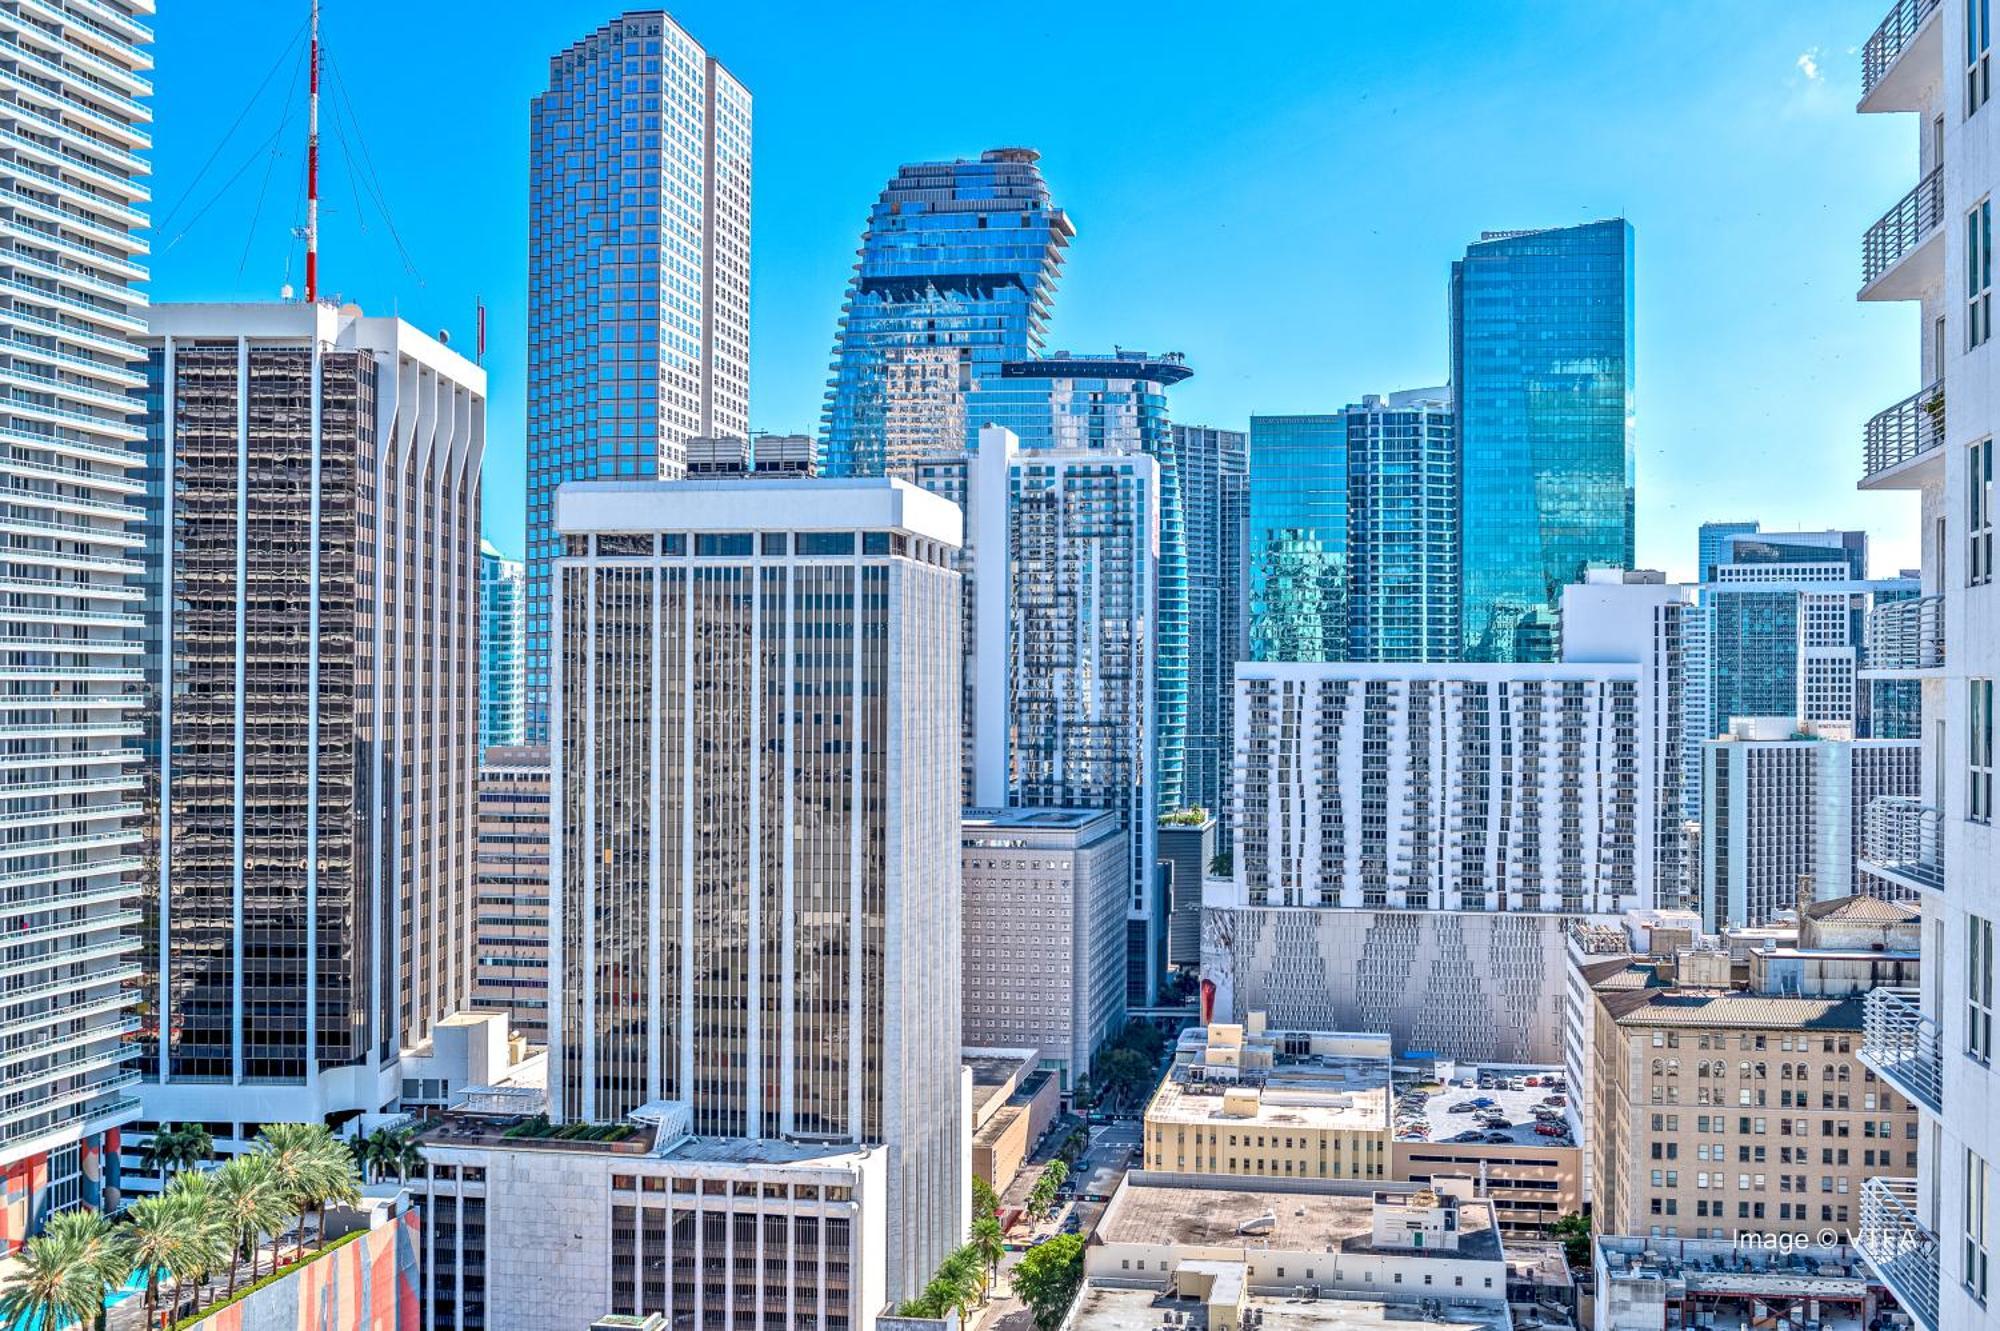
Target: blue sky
[[1276, 190]]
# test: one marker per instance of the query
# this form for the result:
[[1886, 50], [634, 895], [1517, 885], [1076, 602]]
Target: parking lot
[[1495, 1114]]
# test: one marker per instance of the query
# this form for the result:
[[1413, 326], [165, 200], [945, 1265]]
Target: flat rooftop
[[1305, 1222], [1439, 1118], [1341, 1092], [1101, 1308], [1038, 819], [994, 1075]]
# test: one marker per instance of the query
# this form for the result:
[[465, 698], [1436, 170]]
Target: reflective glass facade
[[1298, 538], [957, 270], [1714, 545], [1213, 469], [1402, 528], [502, 643], [638, 275], [1541, 350]]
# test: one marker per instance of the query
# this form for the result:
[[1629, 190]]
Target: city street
[[1113, 1149]]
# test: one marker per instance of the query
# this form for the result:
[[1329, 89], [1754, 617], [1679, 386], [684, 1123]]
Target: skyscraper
[[1714, 545], [511, 960], [1214, 474], [756, 906], [1298, 538], [638, 276], [1402, 528], [501, 643], [1066, 563], [957, 269], [313, 518], [1541, 373], [69, 672]]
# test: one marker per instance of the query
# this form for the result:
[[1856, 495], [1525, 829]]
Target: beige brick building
[[511, 954]]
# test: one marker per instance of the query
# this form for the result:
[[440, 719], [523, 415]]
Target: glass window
[[1979, 514], [1979, 742], [1978, 55], [826, 542], [1979, 988], [1977, 1255], [1979, 274]]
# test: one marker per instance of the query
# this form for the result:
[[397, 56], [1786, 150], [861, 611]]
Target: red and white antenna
[[312, 165]]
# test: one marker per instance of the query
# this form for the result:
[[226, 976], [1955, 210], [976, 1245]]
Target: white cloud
[[1808, 63]]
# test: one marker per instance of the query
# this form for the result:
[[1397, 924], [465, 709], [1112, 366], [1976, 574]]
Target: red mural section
[[369, 1284]]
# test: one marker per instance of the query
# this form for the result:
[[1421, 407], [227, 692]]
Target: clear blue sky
[[1276, 190]]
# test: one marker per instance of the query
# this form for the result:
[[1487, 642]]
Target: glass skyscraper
[[1214, 474], [957, 268], [1298, 538], [1402, 528], [501, 630], [1715, 545], [1541, 372], [638, 276]]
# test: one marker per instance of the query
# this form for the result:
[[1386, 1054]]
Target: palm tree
[[101, 1264], [174, 1149], [991, 1245], [53, 1287], [193, 1196], [388, 1151], [335, 1179], [251, 1206], [162, 1237], [288, 1148]]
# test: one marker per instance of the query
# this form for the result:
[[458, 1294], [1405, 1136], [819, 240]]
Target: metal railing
[[1901, 1044], [1906, 635], [1909, 429], [1902, 838], [1898, 1246], [1894, 35], [1899, 230]]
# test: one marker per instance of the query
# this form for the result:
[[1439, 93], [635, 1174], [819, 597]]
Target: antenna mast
[[312, 166]]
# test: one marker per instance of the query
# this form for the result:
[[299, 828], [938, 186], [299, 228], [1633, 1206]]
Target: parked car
[[1498, 1138], [1462, 1107]]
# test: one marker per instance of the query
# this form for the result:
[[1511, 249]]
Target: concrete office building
[[756, 891], [510, 963], [1044, 941], [1932, 1242], [638, 276], [502, 648], [1444, 787], [1780, 806], [1063, 714], [314, 729], [74, 189]]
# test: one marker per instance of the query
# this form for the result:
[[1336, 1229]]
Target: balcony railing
[[1898, 1246], [1906, 635], [1909, 429], [1901, 1044], [1897, 31], [1914, 217], [1901, 839]]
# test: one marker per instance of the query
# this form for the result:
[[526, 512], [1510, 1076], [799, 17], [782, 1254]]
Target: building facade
[[70, 675], [1297, 545], [756, 906], [1932, 1242], [638, 276], [1467, 788], [313, 734], [502, 649], [1065, 551], [1214, 475], [1712, 545], [1187, 843], [1402, 528], [1541, 376], [956, 273], [1044, 943], [510, 962]]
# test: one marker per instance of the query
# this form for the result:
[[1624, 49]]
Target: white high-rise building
[[755, 910], [1933, 1243], [71, 189]]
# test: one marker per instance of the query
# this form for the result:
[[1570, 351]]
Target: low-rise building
[[1231, 1256], [530, 1227], [1249, 1103], [1662, 1284], [1013, 1104], [1510, 1129], [1043, 959]]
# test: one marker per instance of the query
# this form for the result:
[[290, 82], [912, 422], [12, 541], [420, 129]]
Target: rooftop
[[1438, 1117], [1030, 820], [1303, 1221], [1714, 1007], [1101, 1308], [1343, 1091]]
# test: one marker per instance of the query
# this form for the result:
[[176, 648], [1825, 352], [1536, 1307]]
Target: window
[[1976, 1252], [1979, 988], [1978, 54], [1979, 742], [1979, 274], [1979, 517]]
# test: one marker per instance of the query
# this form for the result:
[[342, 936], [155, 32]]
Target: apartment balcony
[[1904, 639], [1897, 1246], [1903, 446], [1902, 255], [1901, 1044], [1902, 840], [1901, 61]]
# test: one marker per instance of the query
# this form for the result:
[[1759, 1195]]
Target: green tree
[[1047, 1278], [1221, 864], [1144, 1039], [336, 1180], [251, 1207], [101, 1264], [985, 1201], [387, 1151], [1125, 1073], [163, 1238], [53, 1287], [991, 1245], [173, 1149], [1574, 1231], [194, 1198]]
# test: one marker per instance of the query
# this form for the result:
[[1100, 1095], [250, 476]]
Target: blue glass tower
[[1213, 471], [501, 713], [1298, 538], [957, 269], [1118, 404], [1714, 545], [1541, 352], [1402, 528], [638, 276]]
